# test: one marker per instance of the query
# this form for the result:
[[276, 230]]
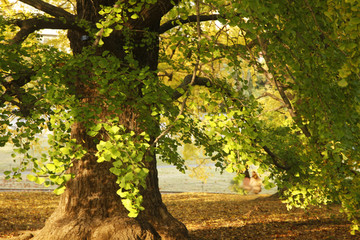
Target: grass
[[6, 159], [206, 178], [170, 179]]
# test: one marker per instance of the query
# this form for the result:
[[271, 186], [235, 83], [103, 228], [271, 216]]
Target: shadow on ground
[[315, 229]]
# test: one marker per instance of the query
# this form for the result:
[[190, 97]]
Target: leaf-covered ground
[[207, 216]]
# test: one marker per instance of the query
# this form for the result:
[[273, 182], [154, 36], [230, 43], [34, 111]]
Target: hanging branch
[[281, 90], [188, 80]]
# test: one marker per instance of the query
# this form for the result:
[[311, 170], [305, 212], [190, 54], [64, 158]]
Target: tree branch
[[31, 25], [14, 89], [291, 110], [190, 80], [193, 18], [197, 81], [151, 16], [281, 90], [267, 94], [275, 159], [50, 9]]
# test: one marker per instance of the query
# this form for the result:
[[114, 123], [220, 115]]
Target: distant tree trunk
[[90, 207]]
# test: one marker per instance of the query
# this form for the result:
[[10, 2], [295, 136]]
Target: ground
[[207, 216]]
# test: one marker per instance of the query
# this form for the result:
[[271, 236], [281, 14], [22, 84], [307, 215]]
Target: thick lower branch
[[50, 9], [29, 26]]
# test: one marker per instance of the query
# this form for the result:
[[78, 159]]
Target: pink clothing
[[246, 184], [253, 184]]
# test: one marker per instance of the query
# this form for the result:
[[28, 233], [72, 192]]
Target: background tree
[[127, 94]]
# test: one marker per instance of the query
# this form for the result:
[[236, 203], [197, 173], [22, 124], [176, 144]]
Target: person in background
[[246, 182], [253, 184]]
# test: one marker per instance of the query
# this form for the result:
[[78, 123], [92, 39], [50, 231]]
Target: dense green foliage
[[299, 58]]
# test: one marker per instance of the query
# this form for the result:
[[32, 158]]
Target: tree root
[[117, 228]]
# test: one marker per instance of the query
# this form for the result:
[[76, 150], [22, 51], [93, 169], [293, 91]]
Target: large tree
[[144, 77]]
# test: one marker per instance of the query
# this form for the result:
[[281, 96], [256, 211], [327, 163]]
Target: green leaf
[[92, 133], [107, 32], [133, 214], [116, 171], [114, 129], [134, 16], [127, 203], [40, 180], [98, 126], [114, 153], [342, 83], [121, 193], [67, 177], [119, 27], [59, 180], [129, 177], [344, 72], [51, 167], [65, 150], [31, 178], [355, 21], [59, 190]]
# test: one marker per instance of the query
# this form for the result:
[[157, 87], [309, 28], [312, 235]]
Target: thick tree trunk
[[90, 208]]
